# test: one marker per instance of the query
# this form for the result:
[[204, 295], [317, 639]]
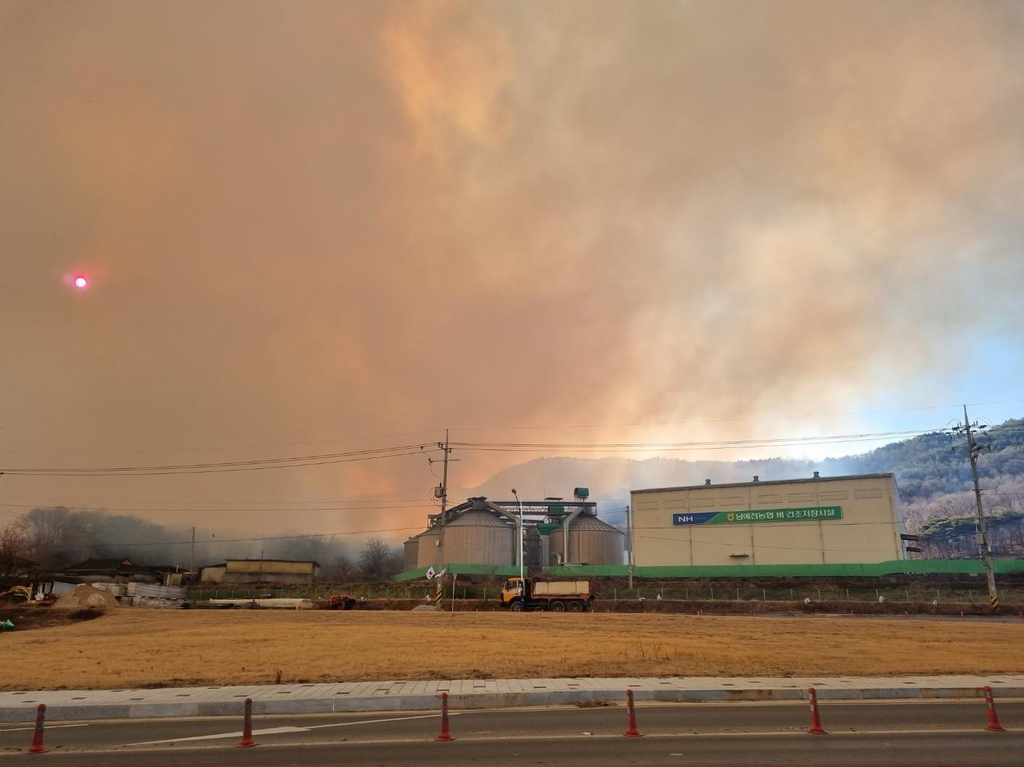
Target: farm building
[[110, 571], [483, 532], [819, 520], [261, 571]]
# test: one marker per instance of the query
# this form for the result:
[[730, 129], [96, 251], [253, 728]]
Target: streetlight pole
[[522, 556]]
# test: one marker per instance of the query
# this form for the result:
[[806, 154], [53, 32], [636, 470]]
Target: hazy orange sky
[[318, 227]]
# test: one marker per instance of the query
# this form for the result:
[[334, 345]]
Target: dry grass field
[[140, 648]]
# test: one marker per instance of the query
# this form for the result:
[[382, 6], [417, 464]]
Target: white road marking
[[48, 727], [220, 736], [275, 730], [375, 721]]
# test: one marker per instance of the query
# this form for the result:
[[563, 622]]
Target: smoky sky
[[311, 222]]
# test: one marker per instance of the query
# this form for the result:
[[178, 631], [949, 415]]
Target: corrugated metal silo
[[426, 549], [481, 538], [410, 553], [591, 542]]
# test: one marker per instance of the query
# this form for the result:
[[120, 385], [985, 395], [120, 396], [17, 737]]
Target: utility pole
[[629, 545], [444, 497], [973, 451], [192, 555]]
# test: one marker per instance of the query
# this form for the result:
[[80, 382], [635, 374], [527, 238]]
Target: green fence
[[809, 593], [383, 591], [871, 570]]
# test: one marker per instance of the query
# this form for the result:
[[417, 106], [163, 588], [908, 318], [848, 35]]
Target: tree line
[[49, 540]]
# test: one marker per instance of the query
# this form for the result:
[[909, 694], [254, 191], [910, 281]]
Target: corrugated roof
[[478, 519], [590, 522], [764, 483]]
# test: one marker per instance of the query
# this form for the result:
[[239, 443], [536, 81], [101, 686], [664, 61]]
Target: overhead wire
[[256, 464], [217, 541], [678, 446]]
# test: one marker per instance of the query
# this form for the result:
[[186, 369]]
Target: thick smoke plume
[[327, 221]]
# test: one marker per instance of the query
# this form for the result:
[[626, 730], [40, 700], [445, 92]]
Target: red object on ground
[[445, 733], [247, 741], [343, 601], [816, 728], [37, 746], [632, 732], [993, 720]]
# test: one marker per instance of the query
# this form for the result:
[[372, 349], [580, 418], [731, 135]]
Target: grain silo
[[591, 542], [426, 548], [410, 553], [481, 537]]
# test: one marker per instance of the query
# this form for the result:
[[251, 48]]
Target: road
[[883, 733]]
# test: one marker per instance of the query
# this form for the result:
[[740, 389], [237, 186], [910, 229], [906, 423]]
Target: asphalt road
[[945, 730], [844, 750]]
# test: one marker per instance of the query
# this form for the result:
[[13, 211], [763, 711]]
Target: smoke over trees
[[14, 566], [378, 560], [59, 537]]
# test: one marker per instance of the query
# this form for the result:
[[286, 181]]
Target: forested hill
[[936, 464], [932, 471]]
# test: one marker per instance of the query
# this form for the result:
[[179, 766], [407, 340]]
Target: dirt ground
[[149, 648]]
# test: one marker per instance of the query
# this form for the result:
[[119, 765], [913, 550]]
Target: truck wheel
[[558, 607], [517, 606], [575, 607]]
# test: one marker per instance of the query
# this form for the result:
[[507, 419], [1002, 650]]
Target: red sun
[[81, 282]]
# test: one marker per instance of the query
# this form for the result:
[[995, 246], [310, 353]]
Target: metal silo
[[426, 548], [591, 542], [479, 538], [410, 553]]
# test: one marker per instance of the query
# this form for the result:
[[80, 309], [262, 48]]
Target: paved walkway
[[481, 693]]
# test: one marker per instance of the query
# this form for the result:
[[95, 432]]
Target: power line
[[678, 446], [231, 447], [220, 467], [218, 541], [244, 504], [233, 510], [426, 448], [734, 420]]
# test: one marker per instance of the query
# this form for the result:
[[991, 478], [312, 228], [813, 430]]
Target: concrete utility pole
[[444, 499], [522, 550], [973, 451], [629, 545], [192, 555]]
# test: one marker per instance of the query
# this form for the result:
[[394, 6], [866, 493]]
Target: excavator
[[36, 593]]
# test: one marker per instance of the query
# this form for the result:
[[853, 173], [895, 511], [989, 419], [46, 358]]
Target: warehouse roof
[[759, 483]]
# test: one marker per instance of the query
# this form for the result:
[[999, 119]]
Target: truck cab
[[512, 595]]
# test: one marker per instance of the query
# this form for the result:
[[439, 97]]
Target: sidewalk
[[484, 693]]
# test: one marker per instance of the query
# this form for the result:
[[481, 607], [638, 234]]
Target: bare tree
[[14, 564], [377, 559], [341, 570], [50, 532]]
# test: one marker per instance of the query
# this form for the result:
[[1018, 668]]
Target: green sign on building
[[809, 514]]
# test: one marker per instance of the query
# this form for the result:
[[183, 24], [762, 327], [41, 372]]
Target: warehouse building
[[819, 520]]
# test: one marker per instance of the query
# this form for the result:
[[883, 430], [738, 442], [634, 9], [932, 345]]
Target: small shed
[[284, 571]]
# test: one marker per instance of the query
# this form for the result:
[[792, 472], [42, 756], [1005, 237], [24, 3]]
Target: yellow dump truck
[[556, 596]]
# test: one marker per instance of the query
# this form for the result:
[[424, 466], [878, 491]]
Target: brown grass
[[139, 648]]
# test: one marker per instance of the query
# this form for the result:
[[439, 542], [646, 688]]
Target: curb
[[469, 701]]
